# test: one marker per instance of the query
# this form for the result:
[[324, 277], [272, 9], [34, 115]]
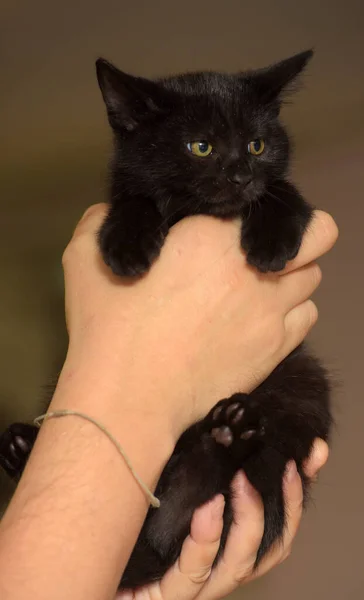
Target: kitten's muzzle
[[240, 179]]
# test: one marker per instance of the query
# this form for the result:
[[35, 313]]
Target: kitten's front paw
[[16, 444], [270, 250], [237, 419], [128, 253]]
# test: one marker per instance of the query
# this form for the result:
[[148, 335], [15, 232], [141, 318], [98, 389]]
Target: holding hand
[[192, 577]]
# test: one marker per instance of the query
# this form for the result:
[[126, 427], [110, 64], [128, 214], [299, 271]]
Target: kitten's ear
[[273, 81], [128, 99]]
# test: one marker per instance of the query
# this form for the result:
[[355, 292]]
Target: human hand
[[199, 326], [192, 577]]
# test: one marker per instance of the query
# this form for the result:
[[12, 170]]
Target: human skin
[[146, 358], [192, 577]]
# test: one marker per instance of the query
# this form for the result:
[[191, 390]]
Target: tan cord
[[65, 413]]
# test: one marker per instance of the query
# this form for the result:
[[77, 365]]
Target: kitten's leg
[[258, 433], [145, 565], [16, 444], [242, 424], [273, 227], [281, 418], [131, 236]]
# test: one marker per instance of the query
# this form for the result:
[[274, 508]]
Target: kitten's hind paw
[[237, 420], [16, 444]]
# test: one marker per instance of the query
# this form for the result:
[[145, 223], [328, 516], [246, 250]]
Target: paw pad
[[237, 419]]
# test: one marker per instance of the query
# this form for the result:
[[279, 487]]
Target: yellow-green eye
[[200, 148], [256, 147]]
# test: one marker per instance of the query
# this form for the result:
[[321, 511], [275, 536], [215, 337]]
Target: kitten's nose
[[240, 179]]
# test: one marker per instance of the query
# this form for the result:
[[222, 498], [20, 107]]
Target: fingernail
[[218, 505], [127, 595], [291, 471], [242, 484]]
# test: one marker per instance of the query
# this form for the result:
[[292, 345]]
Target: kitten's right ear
[[128, 99], [273, 82]]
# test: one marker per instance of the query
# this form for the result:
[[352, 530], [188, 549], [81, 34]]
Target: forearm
[[77, 511], [176, 334]]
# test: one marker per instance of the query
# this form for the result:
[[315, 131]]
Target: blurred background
[[55, 143]]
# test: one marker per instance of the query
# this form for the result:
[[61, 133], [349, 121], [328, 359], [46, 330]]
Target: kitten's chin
[[238, 198]]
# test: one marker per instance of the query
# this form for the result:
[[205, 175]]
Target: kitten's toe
[[270, 253], [126, 256], [271, 259], [237, 419], [16, 444], [266, 264], [223, 435]]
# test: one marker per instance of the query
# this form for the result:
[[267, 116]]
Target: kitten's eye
[[200, 148], [256, 147]]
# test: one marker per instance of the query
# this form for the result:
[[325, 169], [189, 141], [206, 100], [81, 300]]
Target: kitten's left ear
[[128, 99], [273, 81]]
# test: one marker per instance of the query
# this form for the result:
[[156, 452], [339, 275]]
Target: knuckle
[[70, 250], [275, 336], [330, 230], [199, 577], [239, 572], [75, 248], [66, 255], [90, 221], [239, 578], [316, 275], [312, 313], [94, 209]]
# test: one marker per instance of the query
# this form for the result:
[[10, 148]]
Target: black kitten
[[213, 144], [200, 143]]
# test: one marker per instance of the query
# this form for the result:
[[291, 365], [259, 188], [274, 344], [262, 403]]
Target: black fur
[[157, 181]]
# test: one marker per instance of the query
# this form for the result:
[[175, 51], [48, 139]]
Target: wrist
[[127, 407], [117, 387], [75, 473]]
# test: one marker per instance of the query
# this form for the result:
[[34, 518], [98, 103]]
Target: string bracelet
[[66, 413]]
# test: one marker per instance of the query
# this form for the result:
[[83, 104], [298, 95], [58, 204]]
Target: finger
[[294, 288], [293, 497], [92, 219], [298, 322], [198, 553], [84, 236], [319, 238], [125, 595], [243, 541], [317, 459]]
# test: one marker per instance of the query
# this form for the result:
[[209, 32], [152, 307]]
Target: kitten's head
[[203, 138]]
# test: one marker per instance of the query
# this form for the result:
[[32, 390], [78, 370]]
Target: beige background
[[54, 147]]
